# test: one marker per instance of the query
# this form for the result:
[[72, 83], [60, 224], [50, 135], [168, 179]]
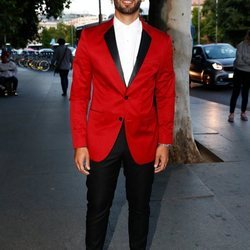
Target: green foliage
[[62, 31], [19, 19], [46, 36], [233, 19]]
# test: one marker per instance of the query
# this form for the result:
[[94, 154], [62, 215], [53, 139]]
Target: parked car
[[212, 64], [74, 52], [29, 52], [46, 52]]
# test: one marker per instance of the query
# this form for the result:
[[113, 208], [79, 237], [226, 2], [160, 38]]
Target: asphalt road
[[220, 95]]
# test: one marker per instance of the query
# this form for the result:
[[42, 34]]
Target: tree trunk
[[176, 15]]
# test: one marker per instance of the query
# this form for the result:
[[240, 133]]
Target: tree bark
[[176, 16]]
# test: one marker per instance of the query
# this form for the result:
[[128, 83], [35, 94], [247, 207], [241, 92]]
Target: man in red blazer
[[122, 113]]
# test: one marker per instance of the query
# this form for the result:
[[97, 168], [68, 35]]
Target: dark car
[[212, 64]]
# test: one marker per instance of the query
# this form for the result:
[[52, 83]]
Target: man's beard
[[129, 10]]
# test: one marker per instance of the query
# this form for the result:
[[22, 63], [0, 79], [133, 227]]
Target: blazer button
[[120, 119], [126, 97]]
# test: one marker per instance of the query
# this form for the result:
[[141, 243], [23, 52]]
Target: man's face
[[127, 7]]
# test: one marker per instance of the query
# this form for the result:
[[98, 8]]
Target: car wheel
[[206, 79]]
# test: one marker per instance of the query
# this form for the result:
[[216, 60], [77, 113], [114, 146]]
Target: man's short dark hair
[[5, 54], [61, 41]]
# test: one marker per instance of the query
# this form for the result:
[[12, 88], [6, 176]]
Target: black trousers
[[241, 83], [64, 80], [101, 184], [10, 83]]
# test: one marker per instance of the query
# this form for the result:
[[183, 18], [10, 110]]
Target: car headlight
[[217, 66]]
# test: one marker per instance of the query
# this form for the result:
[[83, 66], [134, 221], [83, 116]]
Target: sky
[[92, 6]]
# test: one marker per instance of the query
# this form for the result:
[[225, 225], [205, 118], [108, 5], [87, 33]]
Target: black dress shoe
[[64, 94]]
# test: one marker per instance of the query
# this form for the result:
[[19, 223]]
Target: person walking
[[241, 78], [122, 114], [62, 58]]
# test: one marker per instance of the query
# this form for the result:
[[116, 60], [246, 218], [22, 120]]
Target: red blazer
[[101, 102]]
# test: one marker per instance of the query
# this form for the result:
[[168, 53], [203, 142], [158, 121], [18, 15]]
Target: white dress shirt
[[128, 38]]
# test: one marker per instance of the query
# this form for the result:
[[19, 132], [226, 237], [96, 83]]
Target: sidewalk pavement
[[42, 196]]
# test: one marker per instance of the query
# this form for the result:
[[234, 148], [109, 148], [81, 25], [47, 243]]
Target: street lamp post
[[199, 22], [100, 12], [216, 21], [72, 39]]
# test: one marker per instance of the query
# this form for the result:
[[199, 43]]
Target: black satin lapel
[[143, 49], [111, 43]]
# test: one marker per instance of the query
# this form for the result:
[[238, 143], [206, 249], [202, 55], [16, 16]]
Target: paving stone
[[43, 197]]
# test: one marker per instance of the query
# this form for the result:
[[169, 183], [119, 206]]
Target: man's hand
[[82, 160], [161, 158]]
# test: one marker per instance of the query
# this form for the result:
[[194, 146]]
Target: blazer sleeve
[[165, 93], [80, 93]]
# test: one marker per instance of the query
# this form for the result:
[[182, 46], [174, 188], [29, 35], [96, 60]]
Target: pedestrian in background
[[122, 113], [62, 58], [8, 72], [241, 78]]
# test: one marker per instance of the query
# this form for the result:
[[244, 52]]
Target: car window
[[220, 51], [197, 51]]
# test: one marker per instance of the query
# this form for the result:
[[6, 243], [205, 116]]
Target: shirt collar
[[135, 25]]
